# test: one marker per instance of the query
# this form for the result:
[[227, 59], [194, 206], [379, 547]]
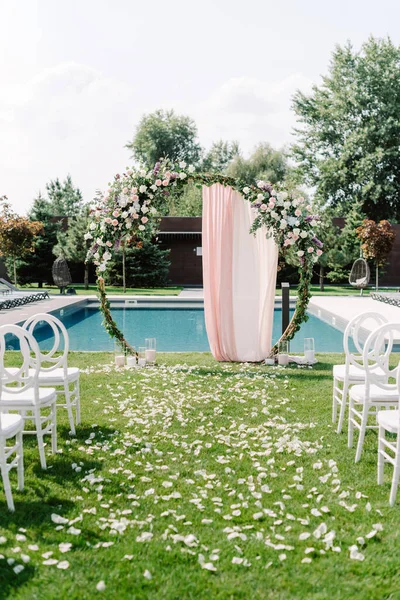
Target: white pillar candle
[[269, 361], [150, 355], [283, 359], [141, 362], [119, 360], [131, 361]]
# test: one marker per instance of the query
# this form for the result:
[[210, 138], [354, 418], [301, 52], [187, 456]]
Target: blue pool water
[[176, 330]]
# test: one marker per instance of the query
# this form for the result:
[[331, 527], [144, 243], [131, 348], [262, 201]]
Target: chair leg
[[39, 435], [54, 427], [6, 478], [396, 473], [20, 467], [381, 461], [78, 402], [343, 406], [364, 422], [334, 401], [350, 432], [67, 395]]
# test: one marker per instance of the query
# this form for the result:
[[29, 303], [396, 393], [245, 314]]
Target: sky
[[76, 76]]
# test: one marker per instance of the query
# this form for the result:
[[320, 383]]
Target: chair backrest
[[49, 360], [355, 331], [17, 380], [376, 355]]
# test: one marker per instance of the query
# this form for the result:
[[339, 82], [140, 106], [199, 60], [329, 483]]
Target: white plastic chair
[[377, 392], [57, 373], [352, 371], [21, 391], [11, 426]]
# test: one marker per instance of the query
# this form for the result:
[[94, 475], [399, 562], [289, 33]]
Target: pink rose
[[125, 190], [165, 182], [310, 249], [297, 212], [114, 222], [108, 220], [286, 243], [116, 213], [135, 216], [134, 198], [295, 237], [158, 182], [263, 207], [109, 244], [319, 252], [144, 220], [271, 204]]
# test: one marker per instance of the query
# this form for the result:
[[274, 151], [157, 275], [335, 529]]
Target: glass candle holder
[[309, 350], [142, 356], [283, 355], [150, 352], [131, 359], [119, 355]]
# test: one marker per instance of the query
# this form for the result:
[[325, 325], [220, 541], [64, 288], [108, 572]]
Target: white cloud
[[251, 110]]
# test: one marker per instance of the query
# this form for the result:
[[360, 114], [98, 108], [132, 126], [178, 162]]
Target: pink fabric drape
[[239, 277]]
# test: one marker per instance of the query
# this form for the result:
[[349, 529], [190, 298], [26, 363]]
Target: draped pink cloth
[[239, 278]]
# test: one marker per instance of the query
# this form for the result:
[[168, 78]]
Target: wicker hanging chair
[[360, 274], [61, 274]]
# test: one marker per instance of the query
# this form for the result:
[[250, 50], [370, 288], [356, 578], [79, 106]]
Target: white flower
[[303, 234], [147, 574], [92, 226], [145, 209], [64, 564], [191, 169], [153, 187], [182, 164], [260, 184], [313, 223], [58, 519], [182, 175], [260, 197], [141, 227], [142, 189], [300, 253], [88, 236], [282, 224], [106, 256], [246, 190], [101, 586], [296, 231]]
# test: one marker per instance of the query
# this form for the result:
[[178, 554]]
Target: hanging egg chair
[[61, 274], [360, 274]]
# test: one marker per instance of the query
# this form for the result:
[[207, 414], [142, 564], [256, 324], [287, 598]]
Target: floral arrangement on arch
[[127, 214]]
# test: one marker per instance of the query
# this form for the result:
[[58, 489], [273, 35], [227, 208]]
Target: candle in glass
[[142, 357], [131, 360], [283, 356], [150, 352], [119, 355], [309, 350]]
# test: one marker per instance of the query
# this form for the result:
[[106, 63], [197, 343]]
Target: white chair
[[377, 392], [389, 420], [57, 373], [11, 426], [21, 391], [352, 371]]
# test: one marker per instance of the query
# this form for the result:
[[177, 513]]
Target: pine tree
[[145, 267], [71, 243]]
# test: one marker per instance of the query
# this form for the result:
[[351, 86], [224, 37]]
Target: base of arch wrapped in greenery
[[129, 214]]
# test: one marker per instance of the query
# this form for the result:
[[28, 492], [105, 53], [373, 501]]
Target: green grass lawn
[[336, 290], [80, 290], [201, 480]]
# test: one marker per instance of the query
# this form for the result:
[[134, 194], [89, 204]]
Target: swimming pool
[[176, 329]]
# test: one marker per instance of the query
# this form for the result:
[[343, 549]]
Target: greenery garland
[[126, 214]]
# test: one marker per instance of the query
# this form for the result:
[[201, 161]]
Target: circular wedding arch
[[126, 215]]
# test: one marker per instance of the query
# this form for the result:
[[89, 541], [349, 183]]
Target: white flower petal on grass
[[209, 566], [64, 547], [306, 560], [127, 557], [144, 537], [50, 561], [33, 547], [304, 536], [3, 540], [20, 537], [64, 564], [25, 558], [74, 531], [355, 554], [147, 574], [58, 519], [101, 586], [18, 569]]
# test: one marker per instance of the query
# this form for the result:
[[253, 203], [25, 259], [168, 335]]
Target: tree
[[65, 199], [377, 241], [71, 244], [147, 266], [264, 163], [349, 131], [17, 234], [219, 156], [163, 134]]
